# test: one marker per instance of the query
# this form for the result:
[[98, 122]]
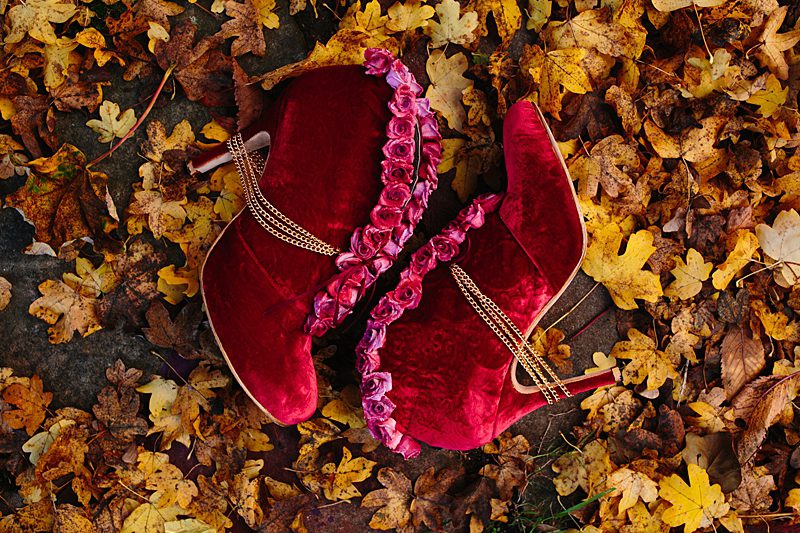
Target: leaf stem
[[139, 122]]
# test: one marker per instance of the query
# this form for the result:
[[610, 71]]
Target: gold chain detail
[[502, 326], [250, 167]]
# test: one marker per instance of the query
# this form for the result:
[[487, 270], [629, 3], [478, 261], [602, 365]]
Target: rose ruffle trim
[[375, 384], [375, 247]]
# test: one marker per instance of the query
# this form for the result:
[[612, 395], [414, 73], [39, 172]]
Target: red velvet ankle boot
[[440, 354], [351, 164]]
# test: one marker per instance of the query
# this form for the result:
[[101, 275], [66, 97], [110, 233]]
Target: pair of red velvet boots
[[352, 161]]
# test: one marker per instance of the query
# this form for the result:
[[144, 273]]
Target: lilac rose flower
[[403, 232], [367, 361], [378, 61], [378, 409], [385, 217], [396, 170], [374, 336], [346, 288], [429, 128], [408, 447], [375, 384], [432, 150], [383, 261], [401, 127], [402, 149], [400, 75], [385, 431]]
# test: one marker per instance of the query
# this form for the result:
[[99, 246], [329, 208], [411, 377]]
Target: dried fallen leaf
[[394, 502], [781, 245], [5, 293], [647, 363], [31, 404], [447, 84], [452, 27], [774, 45], [689, 276], [112, 124]]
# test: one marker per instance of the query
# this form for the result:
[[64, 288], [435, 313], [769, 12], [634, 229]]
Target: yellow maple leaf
[[777, 324], [156, 33], [689, 275], [695, 505], [596, 29], [451, 27], [369, 21], [586, 469], [693, 144], [34, 18], [770, 98], [145, 518], [265, 12], [165, 480], [781, 245], [561, 68], [113, 123], [622, 274], [632, 486], [89, 281], [604, 165], [393, 501], [647, 362], [59, 57], [67, 310], [538, 14], [409, 16], [337, 481], [161, 215], [746, 245], [674, 5], [447, 85], [506, 14], [774, 45], [230, 201], [91, 38]]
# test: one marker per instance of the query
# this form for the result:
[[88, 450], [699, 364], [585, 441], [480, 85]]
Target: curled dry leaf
[[742, 359]]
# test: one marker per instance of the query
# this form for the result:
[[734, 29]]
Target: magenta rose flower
[[385, 217], [408, 292], [429, 172], [378, 61], [387, 311], [401, 127], [383, 261], [400, 75], [408, 447], [472, 217], [366, 242], [316, 327], [446, 248], [385, 431], [395, 195], [396, 170], [375, 384], [402, 149], [402, 233], [378, 409], [423, 260], [347, 287], [347, 260], [374, 337], [433, 151], [404, 102], [367, 361]]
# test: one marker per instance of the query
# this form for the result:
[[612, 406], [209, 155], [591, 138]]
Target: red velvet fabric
[[451, 378], [323, 172]]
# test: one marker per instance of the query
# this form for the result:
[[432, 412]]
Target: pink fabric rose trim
[[375, 384], [375, 247]]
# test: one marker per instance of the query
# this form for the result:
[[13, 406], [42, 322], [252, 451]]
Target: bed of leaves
[[678, 120]]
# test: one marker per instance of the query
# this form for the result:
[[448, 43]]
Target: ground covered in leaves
[[678, 121]]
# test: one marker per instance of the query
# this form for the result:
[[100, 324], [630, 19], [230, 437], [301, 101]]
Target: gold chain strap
[[502, 326], [250, 167]]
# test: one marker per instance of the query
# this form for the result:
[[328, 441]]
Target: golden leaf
[[693, 144], [146, 518], [604, 165], [595, 29], [622, 274], [774, 45], [337, 481], [695, 505], [770, 98], [538, 14], [394, 501], [409, 16], [31, 404], [674, 5], [34, 18], [66, 310], [447, 85], [633, 486], [506, 14], [587, 469], [689, 276], [746, 245], [647, 362], [561, 68], [452, 27], [112, 124]]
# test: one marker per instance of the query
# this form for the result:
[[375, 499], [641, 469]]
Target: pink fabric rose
[[403, 232], [383, 261], [365, 242], [429, 128], [428, 169], [445, 247], [402, 149], [395, 195], [423, 260], [401, 127], [385, 217], [347, 260], [433, 151], [408, 447], [378, 409], [403, 103], [472, 217], [378, 61], [367, 362], [375, 385], [400, 75], [396, 170], [385, 431], [408, 292], [374, 337], [387, 311], [347, 287]]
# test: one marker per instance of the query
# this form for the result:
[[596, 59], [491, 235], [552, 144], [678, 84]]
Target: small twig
[[139, 122]]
